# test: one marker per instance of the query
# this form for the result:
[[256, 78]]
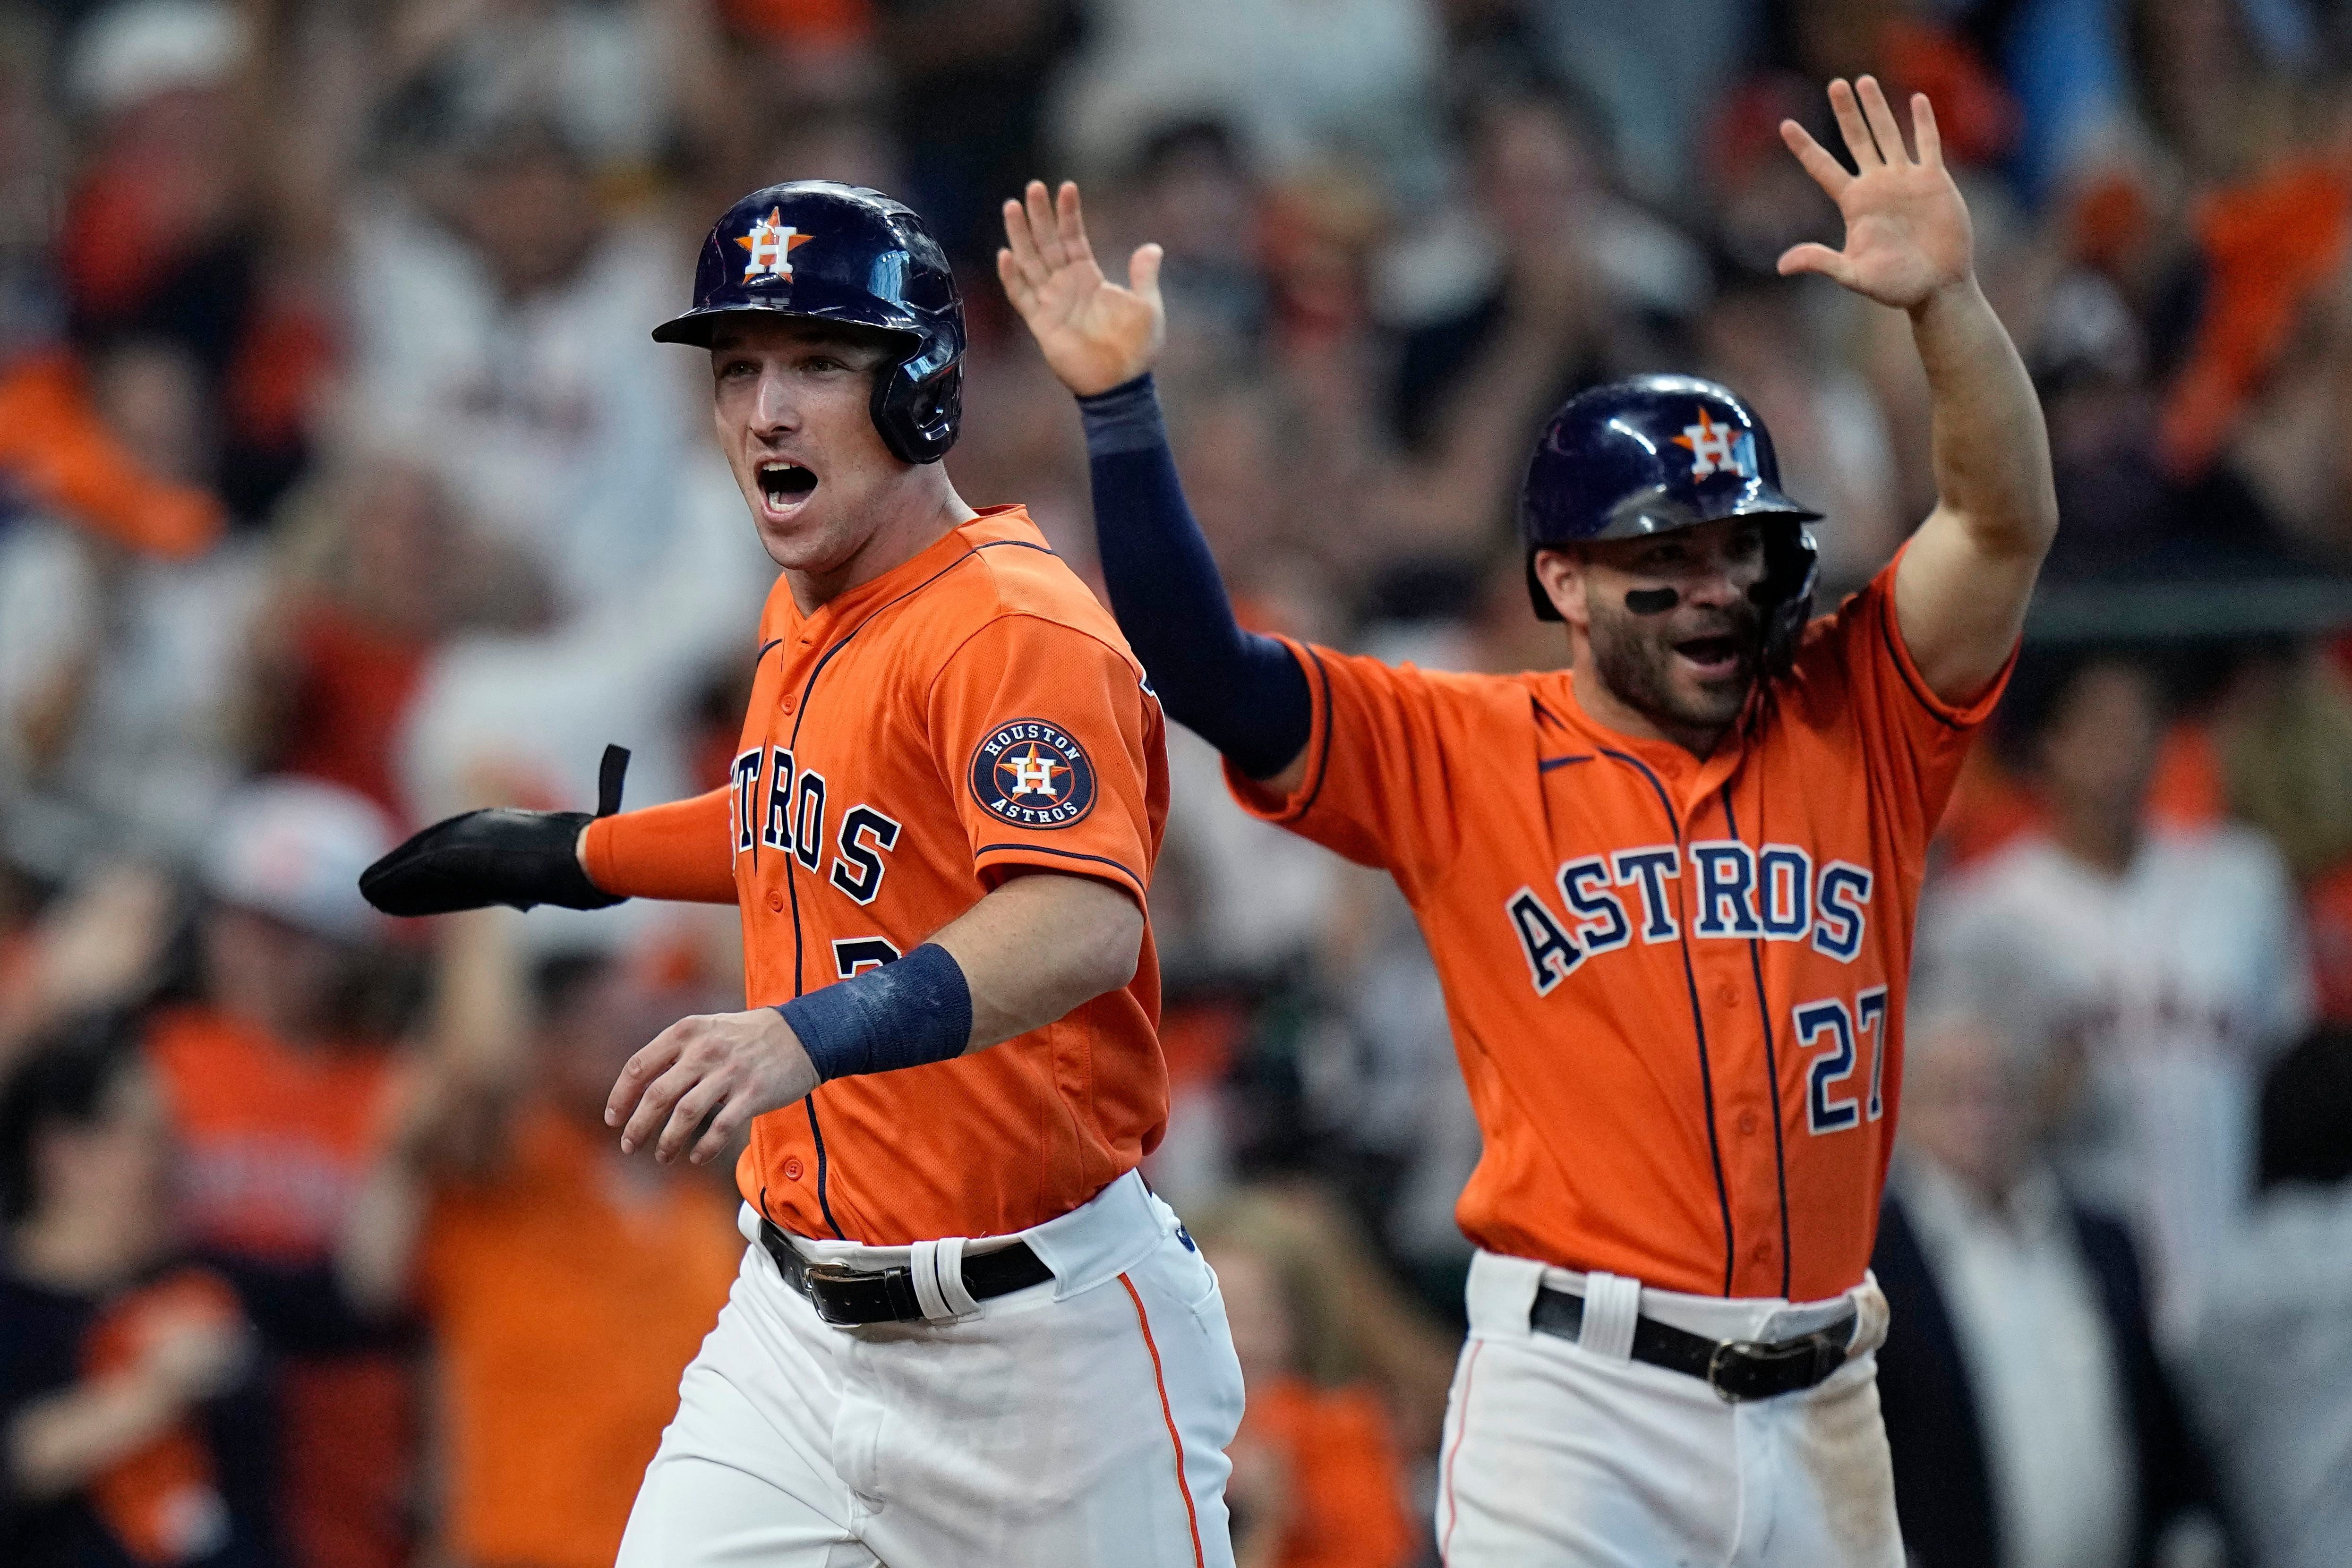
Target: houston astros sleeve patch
[[1033, 774]]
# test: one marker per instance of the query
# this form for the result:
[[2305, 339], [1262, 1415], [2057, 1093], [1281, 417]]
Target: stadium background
[[332, 449]]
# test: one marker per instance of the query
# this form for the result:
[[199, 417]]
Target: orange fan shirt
[[1348, 1491], [1676, 985], [973, 712], [551, 1267]]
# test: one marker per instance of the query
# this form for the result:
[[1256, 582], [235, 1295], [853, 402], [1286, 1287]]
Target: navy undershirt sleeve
[[1241, 692]]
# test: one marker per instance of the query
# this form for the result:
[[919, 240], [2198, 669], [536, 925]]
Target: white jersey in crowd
[[2178, 980], [556, 418], [2272, 1377]]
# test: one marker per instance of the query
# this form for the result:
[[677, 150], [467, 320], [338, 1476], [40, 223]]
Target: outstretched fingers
[[1043, 227], [1859, 144], [1143, 271], [1017, 286], [1022, 244], [1924, 132], [1070, 222], [1883, 123], [1817, 160]]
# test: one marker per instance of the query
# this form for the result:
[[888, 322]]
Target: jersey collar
[[989, 526], [1686, 779]]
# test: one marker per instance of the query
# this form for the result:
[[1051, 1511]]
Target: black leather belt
[[849, 1297], [1736, 1369]]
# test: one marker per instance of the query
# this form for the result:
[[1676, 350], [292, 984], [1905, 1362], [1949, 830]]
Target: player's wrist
[[910, 1013], [1124, 418], [1958, 293]]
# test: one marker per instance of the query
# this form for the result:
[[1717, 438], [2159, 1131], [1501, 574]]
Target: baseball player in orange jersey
[[1669, 889], [966, 1332]]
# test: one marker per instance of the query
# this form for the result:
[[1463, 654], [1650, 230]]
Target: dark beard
[[1633, 654]]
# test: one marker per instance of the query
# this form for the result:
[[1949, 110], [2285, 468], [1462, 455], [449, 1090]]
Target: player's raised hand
[[705, 1077], [1095, 333], [1906, 229]]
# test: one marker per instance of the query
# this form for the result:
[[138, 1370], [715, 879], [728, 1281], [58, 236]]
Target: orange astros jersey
[[972, 712], [1676, 985]]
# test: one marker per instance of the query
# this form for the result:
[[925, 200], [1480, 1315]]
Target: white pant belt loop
[[1611, 1304]]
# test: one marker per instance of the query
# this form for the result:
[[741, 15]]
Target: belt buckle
[[1724, 1351], [821, 1278], [1759, 1355]]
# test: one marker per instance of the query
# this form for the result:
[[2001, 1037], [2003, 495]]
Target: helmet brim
[[694, 328], [1656, 511]]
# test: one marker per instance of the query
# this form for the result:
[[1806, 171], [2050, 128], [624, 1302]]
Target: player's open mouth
[[784, 485], [1714, 658]]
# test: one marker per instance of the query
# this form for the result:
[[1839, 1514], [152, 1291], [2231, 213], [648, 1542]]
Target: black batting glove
[[497, 856]]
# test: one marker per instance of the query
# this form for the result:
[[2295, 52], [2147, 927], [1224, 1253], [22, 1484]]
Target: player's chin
[[797, 543], [1711, 691]]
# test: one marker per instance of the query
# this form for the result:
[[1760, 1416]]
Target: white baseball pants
[[1562, 1454], [1080, 1422]]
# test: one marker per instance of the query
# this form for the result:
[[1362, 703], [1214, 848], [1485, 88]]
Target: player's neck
[[1607, 709], [907, 532]]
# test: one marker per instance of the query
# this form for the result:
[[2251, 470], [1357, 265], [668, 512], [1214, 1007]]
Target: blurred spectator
[[969, 81], [378, 572], [1317, 1479], [2030, 1421], [502, 329], [2287, 756], [1293, 77], [129, 1435], [2167, 963], [1567, 288], [2273, 1371], [1829, 437], [506, 1215], [278, 1086], [168, 92], [97, 948]]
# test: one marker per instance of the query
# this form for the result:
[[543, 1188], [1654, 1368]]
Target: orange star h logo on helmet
[[771, 244], [1716, 447]]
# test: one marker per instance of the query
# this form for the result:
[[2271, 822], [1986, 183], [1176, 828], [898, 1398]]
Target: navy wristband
[[905, 1014]]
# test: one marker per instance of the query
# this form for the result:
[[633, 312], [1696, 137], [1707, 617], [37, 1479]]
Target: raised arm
[[1241, 692], [1961, 590]]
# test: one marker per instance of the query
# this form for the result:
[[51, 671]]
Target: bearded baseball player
[[965, 1332], [1669, 889]]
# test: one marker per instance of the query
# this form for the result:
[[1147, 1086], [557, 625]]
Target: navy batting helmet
[[1652, 453], [843, 253]]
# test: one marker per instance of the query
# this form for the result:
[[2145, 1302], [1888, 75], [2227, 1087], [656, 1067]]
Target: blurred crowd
[[341, 488]]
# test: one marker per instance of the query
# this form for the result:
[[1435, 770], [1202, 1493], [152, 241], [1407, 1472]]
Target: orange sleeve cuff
[[679, 851]]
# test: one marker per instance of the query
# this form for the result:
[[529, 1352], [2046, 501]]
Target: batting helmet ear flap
[[1793, 570], [917, 403]]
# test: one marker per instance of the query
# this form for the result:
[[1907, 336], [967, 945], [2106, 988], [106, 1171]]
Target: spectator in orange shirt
[[505, 1216], [1316, 1480], [278, 1097]]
